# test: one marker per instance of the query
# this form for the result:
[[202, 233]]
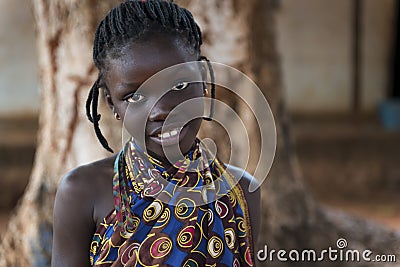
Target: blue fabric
[[152, 225]]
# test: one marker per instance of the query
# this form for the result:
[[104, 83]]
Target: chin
[[181, 144], [184, 146]]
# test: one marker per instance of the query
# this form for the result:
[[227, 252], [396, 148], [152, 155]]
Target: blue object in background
[[390, 113]]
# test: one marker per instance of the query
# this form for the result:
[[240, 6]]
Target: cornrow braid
[[127, 23]]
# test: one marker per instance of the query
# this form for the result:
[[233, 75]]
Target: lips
[[154, 130], [168, 135]]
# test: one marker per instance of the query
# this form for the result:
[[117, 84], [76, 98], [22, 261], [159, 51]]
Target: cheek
[[195, 104], [192, 101], [134, 120]]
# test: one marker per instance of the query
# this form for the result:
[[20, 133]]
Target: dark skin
[[85, 195]]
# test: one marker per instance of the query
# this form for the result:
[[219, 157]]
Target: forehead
[[138, 61]]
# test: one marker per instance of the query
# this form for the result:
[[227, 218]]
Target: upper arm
[[253, 199], [73, 224]]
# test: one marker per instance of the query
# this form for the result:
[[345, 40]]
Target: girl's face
[[149, 106]]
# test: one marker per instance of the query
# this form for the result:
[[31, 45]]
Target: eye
[[180, 86], [134, 98]]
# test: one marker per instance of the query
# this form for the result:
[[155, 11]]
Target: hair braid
[[160, 13], [150, 10], [212, 78], [96, 119], [116, 18], [89, 103]]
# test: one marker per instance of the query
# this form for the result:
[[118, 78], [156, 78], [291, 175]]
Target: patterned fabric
[[155, 223]]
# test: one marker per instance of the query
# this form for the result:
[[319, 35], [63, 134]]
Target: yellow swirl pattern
[[153, 211], [162, 246], [232, 198], [185, 237], [128, 231], [184, 208], [164, 218], [241, 226], [230, 238], [215, 247], [179, 233]]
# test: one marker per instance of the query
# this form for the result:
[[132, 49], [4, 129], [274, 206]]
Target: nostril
[[158, 114], [162, 109]]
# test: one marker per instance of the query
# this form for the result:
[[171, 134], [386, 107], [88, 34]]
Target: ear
[[108, 98]]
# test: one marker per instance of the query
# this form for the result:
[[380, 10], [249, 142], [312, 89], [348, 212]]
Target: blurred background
[[339, 60]]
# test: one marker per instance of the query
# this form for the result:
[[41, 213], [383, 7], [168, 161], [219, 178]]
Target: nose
[[163, 107]]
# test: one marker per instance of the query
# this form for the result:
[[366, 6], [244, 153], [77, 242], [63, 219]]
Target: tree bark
[[240, 33], [65, 30]]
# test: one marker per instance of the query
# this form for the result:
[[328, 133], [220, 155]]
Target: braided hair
[[133, 20]]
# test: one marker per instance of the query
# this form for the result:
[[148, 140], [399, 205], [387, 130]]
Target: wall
[[19, 94], [315, 41], [378, 40]]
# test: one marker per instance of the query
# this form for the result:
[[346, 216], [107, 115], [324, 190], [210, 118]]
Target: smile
[[171, 136], [171, 133]]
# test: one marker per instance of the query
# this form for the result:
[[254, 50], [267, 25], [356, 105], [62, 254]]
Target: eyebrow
[[131, 84], [124, 88], [179, 70]]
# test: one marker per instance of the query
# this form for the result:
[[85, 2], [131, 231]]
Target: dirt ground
[[348, 163]]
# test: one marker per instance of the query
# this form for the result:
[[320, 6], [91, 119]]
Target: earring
[[205, 91], [116, 116]]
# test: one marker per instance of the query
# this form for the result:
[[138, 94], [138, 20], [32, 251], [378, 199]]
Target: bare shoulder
[[82, 192], [80, 173], [91, 184], [86, 180], [253, 198]]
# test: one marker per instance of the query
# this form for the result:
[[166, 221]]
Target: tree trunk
[[240, 33], [65, 31]]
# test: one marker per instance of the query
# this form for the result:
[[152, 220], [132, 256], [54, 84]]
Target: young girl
[[121, 211]]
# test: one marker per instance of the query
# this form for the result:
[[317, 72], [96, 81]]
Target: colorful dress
[[191, 213]]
